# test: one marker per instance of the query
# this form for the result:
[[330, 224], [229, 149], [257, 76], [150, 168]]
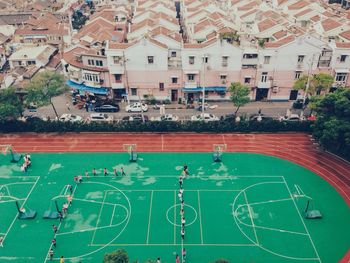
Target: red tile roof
[[330, 24], [280, 42], [266, 24], [345, 34], [343, 45], [298, 5]]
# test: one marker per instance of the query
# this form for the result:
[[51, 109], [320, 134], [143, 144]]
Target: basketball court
[[245, 207]]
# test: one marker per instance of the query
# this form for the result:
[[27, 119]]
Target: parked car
[[70, 117], [228, 117], [260, 117], [32, 107], [107, 108], [135, 117], [166, 117], [292, 117], [101, 117], [199, 107], [206, 117], [136, 107]]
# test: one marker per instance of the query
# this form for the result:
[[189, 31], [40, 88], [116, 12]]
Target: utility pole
[[203, 86]]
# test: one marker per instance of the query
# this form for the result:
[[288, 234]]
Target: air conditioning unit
[[275, 89]]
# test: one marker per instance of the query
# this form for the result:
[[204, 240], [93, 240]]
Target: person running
[[182, 212], [177, 259], [184, 254], [105, 171], [87, 175], [51, 254], [80, 178], [70, 188], [185, 169], [60, 216], [122, 171], [158, 260], [62, 259], [94, 172], [55, 228], [180, 181], [53, 242], [182, 233], [115, 172], [183, 221], [182, 204]]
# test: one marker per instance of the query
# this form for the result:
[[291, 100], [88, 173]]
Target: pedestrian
[[183, 221], [115, 172], [70, 188], [51, 254], [87, 175], [94, 172], [60, 216], [87, 107], [183, 233], [259, 112], [182, 212], [105, 171], [182, 204], [67, 104], [180, 181], [80, 179], [76, 180], [53, 242], [158, 260], [62, 259], [54, 227], [185, 169], [122, 171], [180, 196], [69, 199], [184, 254], [65, 208], [177, 259]]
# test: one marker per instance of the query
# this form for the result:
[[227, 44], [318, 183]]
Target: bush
[[39, 126], [118, 256]]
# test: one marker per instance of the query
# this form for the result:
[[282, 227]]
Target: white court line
[[301, 218], [14, 200], [92, 201], [110, 223], [149, 217], [174, 217], [171, 245], [25, 200], [192, 176], [251, 218], [269, 201], [200, 216], [98, 218]]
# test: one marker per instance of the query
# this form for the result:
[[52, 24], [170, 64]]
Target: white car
[[101, 117], [136, 107], [206, 117], [70, 117], [166, 117]]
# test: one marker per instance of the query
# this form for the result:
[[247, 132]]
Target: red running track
[[298, 148]]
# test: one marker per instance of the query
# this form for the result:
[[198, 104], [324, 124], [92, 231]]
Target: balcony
[[265, 85], [324, 63], [191, 85], [300, 65], [118, 85], [250, 61], [174, 63]]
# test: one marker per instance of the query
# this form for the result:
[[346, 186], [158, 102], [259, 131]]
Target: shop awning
[[73, 85], [199, 89]]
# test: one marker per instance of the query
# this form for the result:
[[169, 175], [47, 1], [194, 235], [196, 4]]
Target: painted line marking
[[251, 217], [174, 217], [200, 216], [110, 223], [98, 218], [149, 217]]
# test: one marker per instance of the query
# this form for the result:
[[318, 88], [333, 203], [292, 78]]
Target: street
[[223, 108]]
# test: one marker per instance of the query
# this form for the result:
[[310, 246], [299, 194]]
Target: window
[[133, 92], [343, 58], [99, 63], [301, 58], [150, 59], [247, 80], [223, 77], [117, 59], [224, 61], [118, 77], [161, 86], [297, 74], [174, 80], [31, 62], [250, 56], [205, 59], [341, 77], [267, 59], [173, 54], [190, 77], [91, 77], [264, 77], [191, 60], [91, 62]]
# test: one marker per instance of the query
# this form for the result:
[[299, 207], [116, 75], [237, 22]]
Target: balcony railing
[[191, 84]]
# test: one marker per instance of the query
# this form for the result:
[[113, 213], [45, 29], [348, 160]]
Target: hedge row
[[187, 126]]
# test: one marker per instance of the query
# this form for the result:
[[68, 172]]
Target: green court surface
[[249, 208]]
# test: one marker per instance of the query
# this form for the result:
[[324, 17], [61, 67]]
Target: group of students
[[79, 178], [27, 162], [182, 212]]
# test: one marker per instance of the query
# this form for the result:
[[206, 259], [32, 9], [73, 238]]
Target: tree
[[332, 127], [118, 256], [319, 82], [239, 95], [43, 87], [11, 106]]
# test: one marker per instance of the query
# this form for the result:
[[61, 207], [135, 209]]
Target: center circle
[[174, 207]]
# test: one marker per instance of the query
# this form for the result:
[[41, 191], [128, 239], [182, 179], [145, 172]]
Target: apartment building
[[177, 51]]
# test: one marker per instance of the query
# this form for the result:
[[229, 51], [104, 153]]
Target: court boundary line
[[302, 220], [24, 202], [174, 216], [171, 245], [251, 217], [200, 216], [149, 216]]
